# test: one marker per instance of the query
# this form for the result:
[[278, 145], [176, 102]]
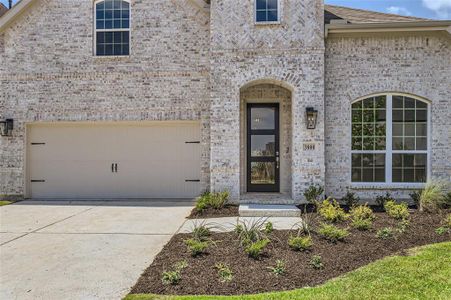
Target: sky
[[431, 9]]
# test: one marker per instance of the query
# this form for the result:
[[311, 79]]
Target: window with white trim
[[112, 28], [390, 139], [266, 11]]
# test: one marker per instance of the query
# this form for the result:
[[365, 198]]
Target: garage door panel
[[153, 160]]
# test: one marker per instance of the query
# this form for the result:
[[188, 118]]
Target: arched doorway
[[265, 138]]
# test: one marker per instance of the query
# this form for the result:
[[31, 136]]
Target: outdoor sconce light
[[312, 115], [6, 127]]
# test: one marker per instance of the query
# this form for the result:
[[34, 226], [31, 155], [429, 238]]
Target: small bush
[[385, 233], [255, 249], [306, 225], [331, 211], [224, 272], [362, 224], [218, 200], [300, 243], [269, 228], [362, 212], [380, 200], [402, 226], [313, 194], [251, 231], [201, 231], [333, 233], [397, 211], [174, 276], [196, 247], [350, 199], [279, 268], [317, 262], [433, 197], [202, 203], [447, 222], [441, 230], [213, 200]]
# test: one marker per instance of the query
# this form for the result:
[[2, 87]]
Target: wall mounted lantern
[[312, 115], [6, 127]]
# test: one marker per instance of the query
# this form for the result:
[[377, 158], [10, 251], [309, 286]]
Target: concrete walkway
[[228, 223], [81, 250]]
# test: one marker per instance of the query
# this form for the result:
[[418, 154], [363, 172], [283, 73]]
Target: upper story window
[[112, 28], [266, 11], [390, 139]]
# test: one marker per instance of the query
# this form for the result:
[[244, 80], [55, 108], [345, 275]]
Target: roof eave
[[419, 26], [13, 13]]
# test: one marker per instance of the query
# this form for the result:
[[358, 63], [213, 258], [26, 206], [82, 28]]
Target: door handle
[[112, 168], [115, 168], [277, 162]]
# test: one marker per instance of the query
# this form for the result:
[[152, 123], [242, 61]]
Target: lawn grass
[[4, 202], [424, 274]]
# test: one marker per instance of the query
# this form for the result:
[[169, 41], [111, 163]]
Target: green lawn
[[425, 274], [4, 202]]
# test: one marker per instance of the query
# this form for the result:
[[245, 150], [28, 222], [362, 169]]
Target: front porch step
[[268, 210]]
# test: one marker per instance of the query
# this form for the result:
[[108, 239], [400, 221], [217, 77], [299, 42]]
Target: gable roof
[[360, 16], [3, 9]]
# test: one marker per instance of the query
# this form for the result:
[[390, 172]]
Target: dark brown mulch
[[226, 211], [253, 276]]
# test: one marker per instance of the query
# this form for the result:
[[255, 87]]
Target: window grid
[[401, 166], [267, 11], [112, 23]]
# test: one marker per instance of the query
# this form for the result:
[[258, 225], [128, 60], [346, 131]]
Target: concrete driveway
[[70, 250]]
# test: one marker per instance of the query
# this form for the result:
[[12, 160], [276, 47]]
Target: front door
[[263, 147]]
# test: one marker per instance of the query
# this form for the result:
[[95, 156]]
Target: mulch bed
[[253, 276], [226, 211]]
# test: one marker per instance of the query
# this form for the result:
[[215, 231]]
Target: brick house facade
[[202, 62]]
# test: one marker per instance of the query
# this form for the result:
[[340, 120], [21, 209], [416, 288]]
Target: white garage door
[[111, 161]]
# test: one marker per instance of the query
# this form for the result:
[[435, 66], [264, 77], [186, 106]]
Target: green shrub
[[362, 212], [402, 226], [397, 211], [213, 200], [441, 230], [196, 247], [350, 199], [317, 262], [332, 233], [218, 200], [269, 228], [255, 249], [313, 194], [380, 200], [201, 231], [300, 243], [447, 222], [202, 203], [433, 197], [224, 272], [331, 211], [279, 268], [174, 276], [362, 224], [385, 233], [251, 231]]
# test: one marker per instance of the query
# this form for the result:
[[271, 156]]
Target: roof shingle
[[360, 16]]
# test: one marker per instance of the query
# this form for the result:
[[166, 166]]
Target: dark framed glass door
[[263, 147]]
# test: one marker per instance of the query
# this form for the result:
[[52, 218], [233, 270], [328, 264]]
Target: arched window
[[112, 28], [390, 139]]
